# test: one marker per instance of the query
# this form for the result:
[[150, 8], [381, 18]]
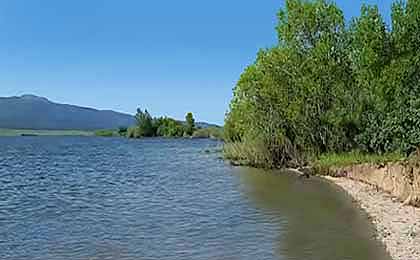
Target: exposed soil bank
[[401, 179], [398, 225]]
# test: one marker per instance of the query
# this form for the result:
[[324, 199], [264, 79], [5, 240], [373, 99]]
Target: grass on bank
[[353, 158], [257, 155], [106, 133], [246, 155], [21, 132]]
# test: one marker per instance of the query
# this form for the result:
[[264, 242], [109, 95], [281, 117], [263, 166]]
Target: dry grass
[[262, 155], [245, 154]]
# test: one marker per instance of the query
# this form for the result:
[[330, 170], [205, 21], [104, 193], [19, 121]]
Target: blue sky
[[171, 57]]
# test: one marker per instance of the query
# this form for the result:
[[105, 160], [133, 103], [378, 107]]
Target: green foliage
[[353, 158], [105, 133], [147, 126], [211, 132], [253, 154], [168, 127], [145, 123], [328, 88], [122, 131], [189, 124], [259, 153], [392, 123], [133, 132]]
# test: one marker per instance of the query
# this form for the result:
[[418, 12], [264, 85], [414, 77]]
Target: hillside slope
[[33, 112]]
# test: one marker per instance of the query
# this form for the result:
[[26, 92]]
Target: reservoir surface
[[88, 198]]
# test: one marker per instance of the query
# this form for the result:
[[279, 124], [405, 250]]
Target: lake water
[[95, 198]]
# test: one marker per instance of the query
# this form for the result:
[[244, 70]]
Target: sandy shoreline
[[398, 226]]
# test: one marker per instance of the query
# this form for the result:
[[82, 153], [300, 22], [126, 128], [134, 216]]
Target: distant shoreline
[[32, 132], [87, 133]]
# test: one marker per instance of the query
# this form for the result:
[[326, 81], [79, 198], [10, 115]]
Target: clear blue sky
[[168, 56]]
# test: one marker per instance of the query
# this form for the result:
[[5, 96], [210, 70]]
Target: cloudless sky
[[170, 57]]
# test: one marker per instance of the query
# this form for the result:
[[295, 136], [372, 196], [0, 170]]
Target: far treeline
[[148, 126], [329, 87]]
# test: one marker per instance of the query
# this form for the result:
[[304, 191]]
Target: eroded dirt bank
[[401, 179]]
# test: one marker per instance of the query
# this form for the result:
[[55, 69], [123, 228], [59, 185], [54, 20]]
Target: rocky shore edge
[[397, 224]]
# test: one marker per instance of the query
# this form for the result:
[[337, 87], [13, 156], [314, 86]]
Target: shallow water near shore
[[98, 198]]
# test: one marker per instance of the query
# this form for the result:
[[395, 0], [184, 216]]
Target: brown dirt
[[401, 180]]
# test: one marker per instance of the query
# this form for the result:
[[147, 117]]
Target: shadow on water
[[321, 221]]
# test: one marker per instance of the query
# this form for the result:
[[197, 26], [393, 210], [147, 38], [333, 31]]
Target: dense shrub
[[122, 131], [168, 127], [148, 126], [133, 132], [328, 87], [210, 132]]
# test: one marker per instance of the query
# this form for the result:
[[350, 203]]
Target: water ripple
[[95, 198]]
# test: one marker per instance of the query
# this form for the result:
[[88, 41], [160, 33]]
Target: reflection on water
[[94, 198]]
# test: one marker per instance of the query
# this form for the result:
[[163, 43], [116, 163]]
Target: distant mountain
[[39, 113], [33, 112]]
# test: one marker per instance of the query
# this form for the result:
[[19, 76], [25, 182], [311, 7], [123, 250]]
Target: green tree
[[189, 124], [144, 123], [168, 127], [391, 121], [370, 52], [290, 98], [330, 88], [148, 126]]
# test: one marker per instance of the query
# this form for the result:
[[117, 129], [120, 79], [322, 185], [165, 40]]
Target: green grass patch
[[353, 158], [28, 132], [106, 133]]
